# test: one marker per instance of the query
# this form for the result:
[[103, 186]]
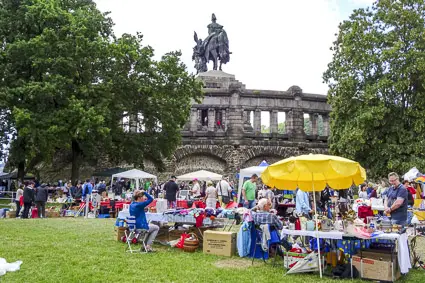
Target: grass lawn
[[79, 250]]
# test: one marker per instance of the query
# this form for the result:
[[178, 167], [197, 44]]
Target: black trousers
[[27, 206], [18, 208], [41, 209]]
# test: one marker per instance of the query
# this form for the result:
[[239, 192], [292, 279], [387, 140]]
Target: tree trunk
[[21, 171], [76, 161]]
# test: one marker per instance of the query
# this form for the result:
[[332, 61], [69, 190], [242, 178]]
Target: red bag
[[180, 243], [364, 212]]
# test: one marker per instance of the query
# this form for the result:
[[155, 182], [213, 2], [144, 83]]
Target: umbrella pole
[[317, 227]]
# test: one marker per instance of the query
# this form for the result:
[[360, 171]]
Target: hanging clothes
[[244, 239]]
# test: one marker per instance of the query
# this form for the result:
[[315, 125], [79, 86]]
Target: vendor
[[196, 189], [302, 203], [137, 209], [396, 200]]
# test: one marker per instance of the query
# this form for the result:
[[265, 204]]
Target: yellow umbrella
[[312, 172]]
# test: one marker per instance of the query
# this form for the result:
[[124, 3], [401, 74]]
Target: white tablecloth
[[159, 217], [324, 235]]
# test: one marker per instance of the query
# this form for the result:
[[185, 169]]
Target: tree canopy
[[376, 87], [68, 84]]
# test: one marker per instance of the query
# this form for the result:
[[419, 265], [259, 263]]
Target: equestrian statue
[[214, 48]]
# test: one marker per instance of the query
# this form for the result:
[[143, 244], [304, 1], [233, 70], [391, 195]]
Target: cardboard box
[[376, 265], [10, 214], [119, 232], [52, 214], [219, 243]]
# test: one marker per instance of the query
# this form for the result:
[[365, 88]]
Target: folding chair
[[258, 244], [134, 236]]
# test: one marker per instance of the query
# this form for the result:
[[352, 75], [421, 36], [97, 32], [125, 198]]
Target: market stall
[[313, 172], [248, 172], [134, 174], [201, 175]]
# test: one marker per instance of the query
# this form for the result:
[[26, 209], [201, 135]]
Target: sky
[[274, 43]]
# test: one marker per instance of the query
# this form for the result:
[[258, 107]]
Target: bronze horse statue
[[214, 48]]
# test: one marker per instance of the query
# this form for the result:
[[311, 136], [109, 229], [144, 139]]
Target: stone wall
[[219, 136]]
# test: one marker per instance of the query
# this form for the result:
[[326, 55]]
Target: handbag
[[224, 199]]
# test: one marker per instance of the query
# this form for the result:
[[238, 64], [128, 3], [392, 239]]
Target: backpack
[[325, 195]]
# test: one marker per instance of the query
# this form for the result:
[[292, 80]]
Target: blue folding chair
[[134, 236]]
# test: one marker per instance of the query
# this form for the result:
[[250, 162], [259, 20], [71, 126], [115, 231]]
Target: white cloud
[[275, 44]]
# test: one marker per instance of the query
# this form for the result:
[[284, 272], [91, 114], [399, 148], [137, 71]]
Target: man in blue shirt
[[87, 189], [137, 209], [302, 203], [396, 200]]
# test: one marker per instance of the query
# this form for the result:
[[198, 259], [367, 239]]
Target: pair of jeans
[[250, 205], [18, 207], [27, 206], [41, 209]]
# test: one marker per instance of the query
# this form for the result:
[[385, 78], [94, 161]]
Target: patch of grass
[[83, 250]]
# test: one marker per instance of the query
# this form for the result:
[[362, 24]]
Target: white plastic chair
[[135, 235]]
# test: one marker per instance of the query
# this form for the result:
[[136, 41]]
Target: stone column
[[314, 123], [235, 118], [273, 122], [257, 121], [245, 116], [224, 122], [295, 125], [193, 121], [199, 120], [325, 118], [211, 119]]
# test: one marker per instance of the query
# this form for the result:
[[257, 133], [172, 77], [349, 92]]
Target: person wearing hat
[[211, 195], [171, 189], [40, 200], [196, 189]]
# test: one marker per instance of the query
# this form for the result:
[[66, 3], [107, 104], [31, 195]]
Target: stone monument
[[214, 48]]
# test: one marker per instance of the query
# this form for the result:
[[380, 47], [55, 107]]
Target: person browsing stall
[[248, 191], [302, 203], [396, 200], [137, 209]]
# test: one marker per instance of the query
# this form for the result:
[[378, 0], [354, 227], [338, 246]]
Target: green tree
[[265, 129], [281, 128], [376, 87], [307, 126], [68, 83]]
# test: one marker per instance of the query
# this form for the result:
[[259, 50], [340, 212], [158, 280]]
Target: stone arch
[[183, 151], [191, 158], [200, 161], [255, 154]]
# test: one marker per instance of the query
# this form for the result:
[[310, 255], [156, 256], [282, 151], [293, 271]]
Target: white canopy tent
[[134, 174], [248, 172], [202, 175]]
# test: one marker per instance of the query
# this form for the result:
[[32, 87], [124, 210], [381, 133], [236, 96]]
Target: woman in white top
[[211, 195], [19, 193], [363, 192]]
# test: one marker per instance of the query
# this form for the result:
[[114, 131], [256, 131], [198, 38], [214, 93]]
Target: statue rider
[[213, 29]]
